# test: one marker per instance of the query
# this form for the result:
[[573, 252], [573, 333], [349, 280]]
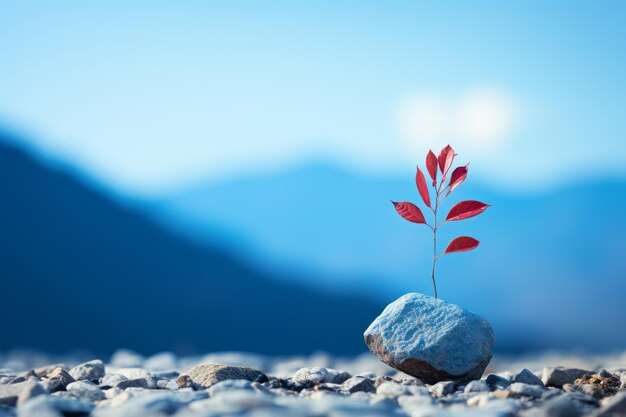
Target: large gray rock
[[208, 374], [430, 339]]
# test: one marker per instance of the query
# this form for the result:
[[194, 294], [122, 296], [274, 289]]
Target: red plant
[[460, 211]]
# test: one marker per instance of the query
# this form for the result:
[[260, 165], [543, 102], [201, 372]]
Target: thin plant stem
[[434, 256], [434, 210]]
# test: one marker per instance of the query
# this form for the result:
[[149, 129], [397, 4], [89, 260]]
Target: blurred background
[[201, 176]]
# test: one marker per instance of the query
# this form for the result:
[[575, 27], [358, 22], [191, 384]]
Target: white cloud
[[483, 117]]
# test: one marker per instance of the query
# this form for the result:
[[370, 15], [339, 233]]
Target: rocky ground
[[235, 384]]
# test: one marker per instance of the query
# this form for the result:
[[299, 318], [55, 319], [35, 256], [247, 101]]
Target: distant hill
[[550, 271], [80, 270]]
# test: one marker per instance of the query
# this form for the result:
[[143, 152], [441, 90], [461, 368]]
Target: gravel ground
[[552, 384]]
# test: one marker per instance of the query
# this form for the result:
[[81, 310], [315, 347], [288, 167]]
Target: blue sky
[[149, 96]]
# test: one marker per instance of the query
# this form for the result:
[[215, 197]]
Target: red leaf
[[446, 156], [466, 209], [420, 180], [409, 211], [462, 244], [457, 177], [431, 166]]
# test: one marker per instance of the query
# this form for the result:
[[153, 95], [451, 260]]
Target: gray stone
[[614, 406], [208, 374], [167, 384], [380, 379], [497, 381], [59, 374], [30, 374], [338, 377], [133, 383], [112, 380], [30, 390], [526, 390], [315, 375], [84, 390], [358, 384], [45, 371], [52, 385], [476, 386], [43, 404], [559, 376], [391, 389], [411, 382], [88, 371], [527, 377], [594, 390], [430, 339], [443, 388]]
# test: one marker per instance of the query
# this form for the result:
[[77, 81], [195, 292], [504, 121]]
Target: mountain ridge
[[80, 270]]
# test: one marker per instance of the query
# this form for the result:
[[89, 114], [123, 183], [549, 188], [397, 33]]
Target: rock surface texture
[[208, 374], [430, 339]]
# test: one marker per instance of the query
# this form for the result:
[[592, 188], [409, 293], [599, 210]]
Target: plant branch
[[434, 229]]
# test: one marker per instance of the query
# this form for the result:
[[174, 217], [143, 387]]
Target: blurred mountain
[[79, 269], [549, 271]]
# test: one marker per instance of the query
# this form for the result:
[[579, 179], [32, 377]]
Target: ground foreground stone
[[207, 374], [314, 386], [430, 339]]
